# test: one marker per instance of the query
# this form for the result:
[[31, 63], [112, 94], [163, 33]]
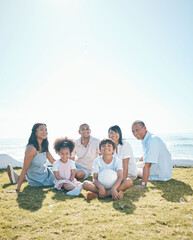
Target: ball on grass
[[107, 178]]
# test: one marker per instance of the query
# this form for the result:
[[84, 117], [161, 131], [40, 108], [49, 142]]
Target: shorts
[[87, 173]]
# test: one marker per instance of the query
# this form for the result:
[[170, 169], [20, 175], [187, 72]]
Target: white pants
[[140, 166]]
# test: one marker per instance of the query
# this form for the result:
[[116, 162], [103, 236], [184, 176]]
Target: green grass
[[164, 210]]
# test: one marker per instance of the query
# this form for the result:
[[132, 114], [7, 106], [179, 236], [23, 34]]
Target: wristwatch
[[143, 184]]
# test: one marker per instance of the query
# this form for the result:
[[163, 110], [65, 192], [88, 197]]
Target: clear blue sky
[[101, 62]]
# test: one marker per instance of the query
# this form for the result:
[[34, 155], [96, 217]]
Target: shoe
[[121, 194], [13, 176], [76, 191], [91, 195]]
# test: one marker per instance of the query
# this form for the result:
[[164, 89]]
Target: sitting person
[[34, 169], [124, 152], [64, 169], [156, 163], [86, 150], [107, 161]]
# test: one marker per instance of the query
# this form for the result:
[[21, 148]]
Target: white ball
[[107, 178]]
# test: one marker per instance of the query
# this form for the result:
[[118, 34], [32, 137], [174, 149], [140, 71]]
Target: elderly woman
[[34, 169], [124, 152]]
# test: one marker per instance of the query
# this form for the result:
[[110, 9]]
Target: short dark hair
[[107, 140], [141, 123], [33, 139], [116, 129], [63, 143]]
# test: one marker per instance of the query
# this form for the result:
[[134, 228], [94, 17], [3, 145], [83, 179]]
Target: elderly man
[[157, 163], [86, 150]]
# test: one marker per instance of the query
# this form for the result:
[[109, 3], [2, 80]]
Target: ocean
[[179, 145]]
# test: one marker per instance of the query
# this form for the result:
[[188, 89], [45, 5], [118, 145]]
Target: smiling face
[[114, 136], [41, 132], [107, 149], [138, 131], [64, 154], [85, 131]]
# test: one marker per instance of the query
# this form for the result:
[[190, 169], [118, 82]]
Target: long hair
[[33, 139], [116, 129]]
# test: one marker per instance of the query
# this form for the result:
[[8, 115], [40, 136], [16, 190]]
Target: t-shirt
[[125, 151], [100, 165], [156, 153], [86, 155], [57, 163]]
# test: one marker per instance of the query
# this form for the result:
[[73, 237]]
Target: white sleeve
[[96, 167], [72, 163], [127, 150], [118, 164], [56, 166]]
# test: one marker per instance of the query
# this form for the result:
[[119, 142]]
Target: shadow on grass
[[31, 198], [127, 204], [173, 190]]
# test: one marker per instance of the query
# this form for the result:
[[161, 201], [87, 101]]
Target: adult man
[[156, 158], [86, 150]]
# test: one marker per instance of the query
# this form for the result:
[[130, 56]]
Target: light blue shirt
[[156, 153]]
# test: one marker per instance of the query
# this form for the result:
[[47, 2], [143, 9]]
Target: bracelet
[[143, 183]]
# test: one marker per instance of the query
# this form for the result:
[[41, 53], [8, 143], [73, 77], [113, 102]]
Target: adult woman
[[124, 152], [34, 169]]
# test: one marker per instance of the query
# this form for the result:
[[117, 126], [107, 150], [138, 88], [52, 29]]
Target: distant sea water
[[179, 145]]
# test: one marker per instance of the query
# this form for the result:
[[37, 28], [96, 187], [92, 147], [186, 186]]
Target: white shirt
[[99, 164], [86, 155], [125, 151], [156, 153], [56, 164]]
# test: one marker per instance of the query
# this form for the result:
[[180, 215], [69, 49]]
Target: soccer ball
[[107, 178]]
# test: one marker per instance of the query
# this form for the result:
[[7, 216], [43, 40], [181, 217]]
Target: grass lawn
[[163, 210]]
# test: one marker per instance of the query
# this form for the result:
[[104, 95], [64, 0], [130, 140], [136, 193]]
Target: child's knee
[[86, 185]]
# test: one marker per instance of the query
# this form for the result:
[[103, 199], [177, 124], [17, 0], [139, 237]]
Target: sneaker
[[13, 176], [91, 195], [76, 191], [121, 194]]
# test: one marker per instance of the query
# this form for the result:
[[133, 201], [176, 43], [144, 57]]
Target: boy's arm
[[115, 194], [101, 188]]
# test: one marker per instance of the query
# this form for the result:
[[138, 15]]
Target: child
[[64, 169], [107, 161]]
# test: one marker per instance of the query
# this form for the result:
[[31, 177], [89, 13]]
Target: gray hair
[[83, 125], [141, 123]]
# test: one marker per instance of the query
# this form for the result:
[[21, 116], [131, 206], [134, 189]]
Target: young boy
[[107, 161]]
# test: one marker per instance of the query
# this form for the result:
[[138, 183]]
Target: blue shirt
[[156, 153]]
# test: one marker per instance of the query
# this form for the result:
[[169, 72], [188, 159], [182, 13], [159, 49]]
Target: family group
[[89, 156]]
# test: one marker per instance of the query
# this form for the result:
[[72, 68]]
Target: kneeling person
[[107, 161]]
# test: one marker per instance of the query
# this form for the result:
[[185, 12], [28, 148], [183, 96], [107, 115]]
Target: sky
[[101, 62]]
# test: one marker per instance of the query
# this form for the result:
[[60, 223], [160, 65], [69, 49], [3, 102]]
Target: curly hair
[[33, 139], [63, 143]]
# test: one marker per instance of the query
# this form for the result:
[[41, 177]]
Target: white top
[[56, 165], [155, 152], [86, 155], [125, 151], [100, 165]]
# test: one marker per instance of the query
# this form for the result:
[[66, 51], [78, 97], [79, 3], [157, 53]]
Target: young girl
[[64, 169]]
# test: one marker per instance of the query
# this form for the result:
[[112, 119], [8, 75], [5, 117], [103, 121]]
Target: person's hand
[[115, 194], [139, 186]]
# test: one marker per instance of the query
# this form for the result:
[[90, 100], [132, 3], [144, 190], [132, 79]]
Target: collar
[[78, 142], [147, 136]]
